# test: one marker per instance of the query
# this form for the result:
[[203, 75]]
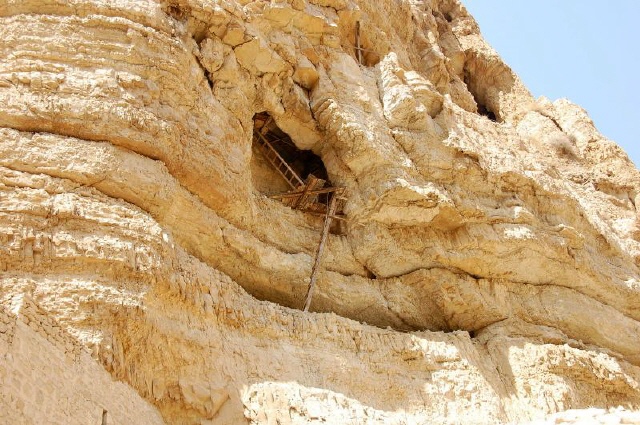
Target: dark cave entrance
[[479, 95], [285, 168], [295, 177], [482, 110], [303, 162]]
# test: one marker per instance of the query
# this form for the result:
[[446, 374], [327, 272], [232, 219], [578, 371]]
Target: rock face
[[488, 270]]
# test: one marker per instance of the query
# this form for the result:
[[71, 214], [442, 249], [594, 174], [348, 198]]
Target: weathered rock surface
[[488, 270]]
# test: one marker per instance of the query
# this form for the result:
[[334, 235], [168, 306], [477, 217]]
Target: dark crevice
[[209, 80], [551, 117], [370, 275], [199, 36], [206, 74], [177, 12], [303, 162], [483, 109]]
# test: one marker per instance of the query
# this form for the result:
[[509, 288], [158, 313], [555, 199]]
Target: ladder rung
[[281, 166]]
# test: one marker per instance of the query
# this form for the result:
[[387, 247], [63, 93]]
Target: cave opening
[[302, 162], [479, 95], [306, 178], [484, 111], [296, 177]]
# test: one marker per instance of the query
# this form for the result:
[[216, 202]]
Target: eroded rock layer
[[487, 270]]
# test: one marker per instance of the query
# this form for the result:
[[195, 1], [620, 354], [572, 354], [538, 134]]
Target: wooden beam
[[362, 49], [265, 126], [335, 217], [310, 184], [323, 240], [358, 50], [311, 192]]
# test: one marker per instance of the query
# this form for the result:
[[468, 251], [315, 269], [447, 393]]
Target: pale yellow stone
[[212, 52], [234, 35], [305, 73], [258, 57], [487, 271]]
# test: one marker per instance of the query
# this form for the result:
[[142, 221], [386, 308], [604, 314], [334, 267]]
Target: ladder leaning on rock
[[304, 197], [331, 210], [278, 163]]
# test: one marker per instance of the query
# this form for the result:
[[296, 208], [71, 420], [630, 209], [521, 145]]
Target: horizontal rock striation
[[488, 269]]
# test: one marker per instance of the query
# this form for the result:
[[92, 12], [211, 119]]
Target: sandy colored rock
[[257, 57], [487, 270], [212, 51], [305, 74]]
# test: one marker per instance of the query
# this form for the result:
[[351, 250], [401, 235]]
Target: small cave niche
[[363, 48], [177, 12], [449, 10], [296, 177], [482, 110], [479, 96]]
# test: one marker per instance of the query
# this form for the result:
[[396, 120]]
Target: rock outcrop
[[488, 270]]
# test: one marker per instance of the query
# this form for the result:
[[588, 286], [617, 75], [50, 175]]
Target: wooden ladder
[[331, 210], [278, 162]]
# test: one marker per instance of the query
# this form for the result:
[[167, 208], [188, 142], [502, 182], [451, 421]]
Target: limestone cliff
[[488, 270]]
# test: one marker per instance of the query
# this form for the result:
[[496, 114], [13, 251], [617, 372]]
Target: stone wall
[[48, 378]]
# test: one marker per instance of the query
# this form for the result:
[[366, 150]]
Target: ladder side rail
[[295, 178], [331, 209]]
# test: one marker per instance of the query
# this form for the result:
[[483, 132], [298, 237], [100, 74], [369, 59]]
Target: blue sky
[[586, 51]]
